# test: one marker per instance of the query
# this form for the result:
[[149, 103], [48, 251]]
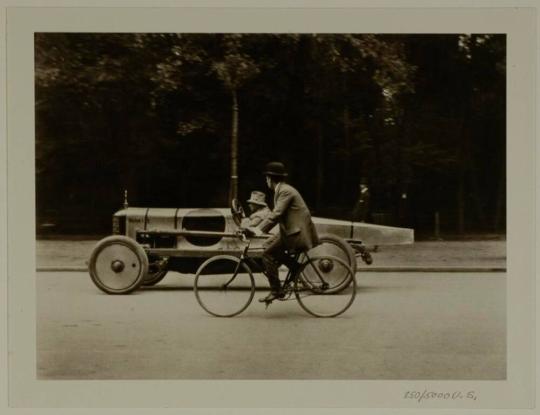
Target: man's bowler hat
[[275, 168]]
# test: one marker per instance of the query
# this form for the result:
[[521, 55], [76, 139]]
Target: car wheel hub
[[326, 265], [117, 266]]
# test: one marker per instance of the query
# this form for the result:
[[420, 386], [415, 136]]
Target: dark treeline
[[421, 118]]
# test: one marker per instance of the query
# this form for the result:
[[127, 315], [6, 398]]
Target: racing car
[[146, 243]]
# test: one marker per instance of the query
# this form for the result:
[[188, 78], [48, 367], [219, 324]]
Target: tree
[[167, 115], [234, 69]]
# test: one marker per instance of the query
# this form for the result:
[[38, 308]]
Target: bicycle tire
[[321, 301], [210, 292]]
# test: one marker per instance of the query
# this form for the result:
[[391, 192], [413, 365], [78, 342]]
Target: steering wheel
[[237, 212]]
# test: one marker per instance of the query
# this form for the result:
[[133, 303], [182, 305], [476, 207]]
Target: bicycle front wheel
[[224, 286], [316, 294]]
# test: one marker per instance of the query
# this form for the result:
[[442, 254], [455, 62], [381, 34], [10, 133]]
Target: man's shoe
[[274, 295]]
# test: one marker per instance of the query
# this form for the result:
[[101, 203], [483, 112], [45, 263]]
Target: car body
[[204, 232], [148, 242]]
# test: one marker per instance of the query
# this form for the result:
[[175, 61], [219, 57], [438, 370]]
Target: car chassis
[[148, 242]]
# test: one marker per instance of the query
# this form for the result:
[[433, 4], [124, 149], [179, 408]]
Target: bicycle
[[224, 284]]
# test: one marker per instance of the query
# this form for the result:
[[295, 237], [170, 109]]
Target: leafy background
[[168, 116]]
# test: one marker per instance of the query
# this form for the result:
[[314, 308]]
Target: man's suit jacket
[[296, 229]]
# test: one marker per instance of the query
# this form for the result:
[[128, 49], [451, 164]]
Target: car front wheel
[[118, 265]]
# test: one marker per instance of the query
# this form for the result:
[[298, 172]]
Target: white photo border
[[518, 391]]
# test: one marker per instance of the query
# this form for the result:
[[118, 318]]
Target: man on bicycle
[[297, 232]]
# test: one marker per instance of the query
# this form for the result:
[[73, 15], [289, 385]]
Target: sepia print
[[270, 207], [396, 143]]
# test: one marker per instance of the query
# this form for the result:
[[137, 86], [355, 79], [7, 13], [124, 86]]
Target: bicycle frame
[[309, 288], [292, 275]]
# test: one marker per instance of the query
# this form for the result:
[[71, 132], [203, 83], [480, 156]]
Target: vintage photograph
[[266, 206]]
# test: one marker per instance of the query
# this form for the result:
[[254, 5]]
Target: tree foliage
[[170, 117]]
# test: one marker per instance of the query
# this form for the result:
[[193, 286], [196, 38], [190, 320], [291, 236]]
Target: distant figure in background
[[258, 208], [361, 208]]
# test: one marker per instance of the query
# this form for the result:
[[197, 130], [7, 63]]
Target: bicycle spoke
[[224, 286], [235, 274]]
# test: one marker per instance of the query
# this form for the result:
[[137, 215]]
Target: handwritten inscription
[[438, 395]]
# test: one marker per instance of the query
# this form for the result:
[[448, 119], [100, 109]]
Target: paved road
[[401, 326], [459, 254]]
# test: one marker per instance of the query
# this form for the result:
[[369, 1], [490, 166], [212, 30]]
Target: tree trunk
[[461, 204], [501, 199], [476, 193], [320, 162], [233, 189], [463, 159], [345, 188]]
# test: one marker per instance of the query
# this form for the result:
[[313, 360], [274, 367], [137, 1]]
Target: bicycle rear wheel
[[224, 286], [316, 295]]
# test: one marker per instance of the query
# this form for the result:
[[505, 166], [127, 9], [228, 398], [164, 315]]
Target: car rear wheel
[[334, 246], [315, 292], [157, 270], [118, 265], [152, 278]]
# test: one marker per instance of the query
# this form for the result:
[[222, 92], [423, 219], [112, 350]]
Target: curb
[[432, 269], [62, 269], [359, 269]]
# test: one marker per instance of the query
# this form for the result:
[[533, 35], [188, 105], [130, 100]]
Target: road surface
[[402, 326]]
